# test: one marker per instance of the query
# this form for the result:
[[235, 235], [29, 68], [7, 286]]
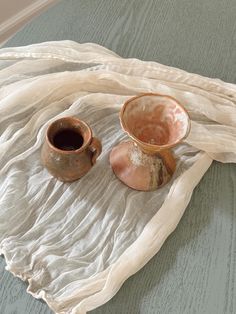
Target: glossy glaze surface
[[158, 120]]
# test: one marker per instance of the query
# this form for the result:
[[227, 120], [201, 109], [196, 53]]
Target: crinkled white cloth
[[77, 243]]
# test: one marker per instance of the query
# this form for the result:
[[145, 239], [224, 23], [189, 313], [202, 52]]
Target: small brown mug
[[69, 150]]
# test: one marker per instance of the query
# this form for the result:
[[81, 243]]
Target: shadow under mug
[[69, 150]]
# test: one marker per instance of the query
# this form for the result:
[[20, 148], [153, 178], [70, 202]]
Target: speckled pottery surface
[[69, 150], [155, 123]]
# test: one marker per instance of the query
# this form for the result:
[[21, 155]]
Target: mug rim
[[67, 152], [153, 147]]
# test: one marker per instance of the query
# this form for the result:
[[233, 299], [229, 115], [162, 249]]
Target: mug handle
[[96, 149]]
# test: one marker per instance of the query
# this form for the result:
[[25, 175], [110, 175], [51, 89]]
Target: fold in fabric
[[77, 243]]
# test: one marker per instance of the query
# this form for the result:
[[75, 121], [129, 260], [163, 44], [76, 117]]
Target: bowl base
[[138, 170]]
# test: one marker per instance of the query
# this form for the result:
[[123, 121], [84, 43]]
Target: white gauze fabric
[[77, 243]]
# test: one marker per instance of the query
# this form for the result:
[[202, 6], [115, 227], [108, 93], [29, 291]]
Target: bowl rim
[[153, 147]]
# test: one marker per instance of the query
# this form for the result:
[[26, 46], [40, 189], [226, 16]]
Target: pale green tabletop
[[195, 271]]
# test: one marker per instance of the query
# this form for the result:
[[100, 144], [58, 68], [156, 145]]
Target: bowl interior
[[155, 119]]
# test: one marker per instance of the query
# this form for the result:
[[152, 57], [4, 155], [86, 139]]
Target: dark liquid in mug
[[68, 139]]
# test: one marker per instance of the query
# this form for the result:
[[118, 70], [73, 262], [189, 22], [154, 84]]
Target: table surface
[[194, 272]]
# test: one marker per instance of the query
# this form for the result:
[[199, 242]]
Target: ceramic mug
[[69, 150]]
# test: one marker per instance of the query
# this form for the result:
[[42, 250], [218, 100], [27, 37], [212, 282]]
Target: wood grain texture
[[15, 14], [194, 272]]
